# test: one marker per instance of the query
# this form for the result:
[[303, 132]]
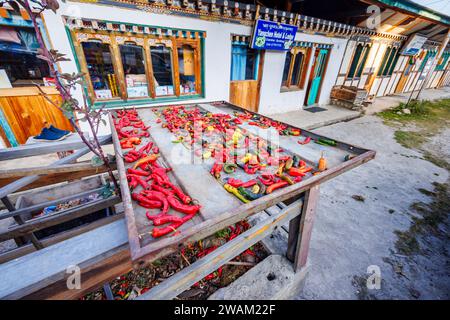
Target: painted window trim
[[300, 85], [445, 58], [359, 62], [123, 100], [389, 61]]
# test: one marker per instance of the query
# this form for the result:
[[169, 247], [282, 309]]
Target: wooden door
[[26, 111], [404, 77], [245, 93], [316, 76]]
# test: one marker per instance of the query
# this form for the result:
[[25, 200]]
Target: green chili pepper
[[289, 163], [235, 191], [286, 178], [326, 142], [229, 168]]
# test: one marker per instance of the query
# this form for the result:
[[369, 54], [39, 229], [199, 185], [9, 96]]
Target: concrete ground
[[308, 120], [350, 236]]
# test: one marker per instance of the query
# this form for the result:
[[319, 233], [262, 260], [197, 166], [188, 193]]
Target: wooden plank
[[36, 149], [19, 184], [184, 279], [60, 217], [244, 94], [42, 205], [28, 248], [45, 180], [27, 91], [305, 228], [93, 249], [63, 168]]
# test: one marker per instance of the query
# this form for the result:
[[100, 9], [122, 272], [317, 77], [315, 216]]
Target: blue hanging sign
[[271, 35]]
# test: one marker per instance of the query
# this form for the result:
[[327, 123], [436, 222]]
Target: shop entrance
[[404, 77], [246, 74], [316, 75]]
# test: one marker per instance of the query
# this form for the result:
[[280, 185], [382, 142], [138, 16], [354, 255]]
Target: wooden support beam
[[63, 216], [63, 168], [183, 280], [36, 149], [300, 230], [19, 184], [42, 205], [29, 248]]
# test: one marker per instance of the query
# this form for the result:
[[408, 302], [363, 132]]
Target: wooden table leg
[[300, 230], [21, 240]]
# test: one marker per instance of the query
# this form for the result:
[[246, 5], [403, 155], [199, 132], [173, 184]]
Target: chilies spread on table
[[192, 125], [157, 191]]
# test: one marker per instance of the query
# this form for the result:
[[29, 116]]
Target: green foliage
[[409, 139]]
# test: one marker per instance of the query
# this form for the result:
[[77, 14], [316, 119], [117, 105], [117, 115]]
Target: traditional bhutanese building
[[154, 52]]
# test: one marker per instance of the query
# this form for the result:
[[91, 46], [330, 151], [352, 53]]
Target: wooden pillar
[[300, 229], [433, 65]]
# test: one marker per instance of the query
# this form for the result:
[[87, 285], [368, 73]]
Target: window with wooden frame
[[97, 55], [188, 53], [125, 67], [294, 71], [161, 52], [132, 54], [428, 55], [359, 60], [443, 61], [388, 62]]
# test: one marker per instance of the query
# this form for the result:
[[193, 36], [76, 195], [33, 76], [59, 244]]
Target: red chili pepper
[[306, 141], [138, 172], [235, 182], [275, 186], [163, 219], [249, 183], [154, 204], [181, 207], [183, 197], [159, 232], [155, 195], [266, 181], [150, 204], [139, 180]]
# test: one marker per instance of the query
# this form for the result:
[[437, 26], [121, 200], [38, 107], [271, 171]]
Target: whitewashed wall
[[217, 53], [273, 101]]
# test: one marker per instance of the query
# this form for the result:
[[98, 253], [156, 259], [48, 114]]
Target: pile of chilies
[[290, 169], [158, 192]]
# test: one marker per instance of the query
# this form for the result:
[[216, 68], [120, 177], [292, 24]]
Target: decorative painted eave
[[417, 9], [246, 14]]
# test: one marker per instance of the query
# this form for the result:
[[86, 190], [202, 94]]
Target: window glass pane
[[186, 67], [392, 67], [287, 64], [363, 62], [356, 56], [134, 69], [244, 62], [296, 71], [101, 70], [251, 67], [162, 70]]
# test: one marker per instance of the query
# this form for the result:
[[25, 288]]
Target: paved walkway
[[308, 120], [383, 103], [335, 114]]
